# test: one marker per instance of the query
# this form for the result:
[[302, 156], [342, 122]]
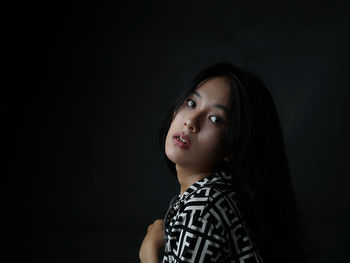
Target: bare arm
[[152, 242], [150, 255]]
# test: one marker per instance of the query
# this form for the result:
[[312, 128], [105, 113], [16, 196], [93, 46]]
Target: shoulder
[[211, 213], [214, 203]]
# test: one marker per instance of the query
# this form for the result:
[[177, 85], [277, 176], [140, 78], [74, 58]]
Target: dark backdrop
[[87, 84]]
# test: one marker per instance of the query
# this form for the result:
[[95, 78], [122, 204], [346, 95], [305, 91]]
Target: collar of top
[[217, 177]]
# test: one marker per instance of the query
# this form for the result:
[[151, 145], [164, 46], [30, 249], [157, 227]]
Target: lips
[[182, 140]]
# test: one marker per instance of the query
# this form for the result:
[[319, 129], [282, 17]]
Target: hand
[[153, 241]]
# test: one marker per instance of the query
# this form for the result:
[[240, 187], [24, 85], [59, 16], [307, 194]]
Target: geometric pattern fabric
[[204, 225]]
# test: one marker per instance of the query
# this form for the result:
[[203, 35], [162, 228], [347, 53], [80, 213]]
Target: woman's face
[[200, 122]]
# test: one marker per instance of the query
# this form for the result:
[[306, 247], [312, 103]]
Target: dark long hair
[[259, 164]]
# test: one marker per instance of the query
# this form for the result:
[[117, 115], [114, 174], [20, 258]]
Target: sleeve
[[195, 240], [224, 213]]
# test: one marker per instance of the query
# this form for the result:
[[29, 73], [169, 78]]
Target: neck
[[187, 177]]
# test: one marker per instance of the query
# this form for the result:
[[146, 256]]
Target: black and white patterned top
[[205, 225]]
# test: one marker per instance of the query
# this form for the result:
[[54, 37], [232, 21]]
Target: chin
[[174, 156], [171, 154]]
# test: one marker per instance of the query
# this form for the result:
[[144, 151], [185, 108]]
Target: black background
[[87, 83]]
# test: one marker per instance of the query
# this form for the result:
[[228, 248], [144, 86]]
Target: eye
[[190, 103], [216, 120]]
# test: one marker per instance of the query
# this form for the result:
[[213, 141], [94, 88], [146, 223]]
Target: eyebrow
[[220, 106]]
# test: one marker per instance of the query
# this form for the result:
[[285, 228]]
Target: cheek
[[172, 128], [211, 141], [168, 139], [168, 136], [176, 123]]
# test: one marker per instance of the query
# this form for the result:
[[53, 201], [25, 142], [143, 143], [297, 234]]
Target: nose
[[190, 124]]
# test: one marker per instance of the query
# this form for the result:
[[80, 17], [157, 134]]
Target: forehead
[[215, 90]]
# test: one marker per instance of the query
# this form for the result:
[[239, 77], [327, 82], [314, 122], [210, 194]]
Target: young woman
[[223, 141]]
